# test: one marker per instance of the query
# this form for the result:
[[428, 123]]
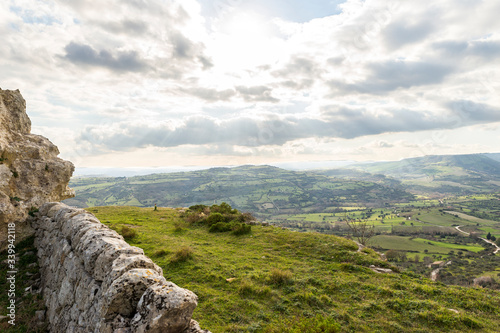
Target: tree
[[361, 230], [488, 236], [493, 238]]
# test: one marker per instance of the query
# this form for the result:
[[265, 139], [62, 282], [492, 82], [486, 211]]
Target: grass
[[275, 280], [26, 303], [405, 243]]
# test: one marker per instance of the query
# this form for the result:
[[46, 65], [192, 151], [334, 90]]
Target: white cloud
[[125, 75]]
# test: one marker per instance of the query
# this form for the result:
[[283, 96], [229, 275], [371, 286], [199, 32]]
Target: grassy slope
[[298, 282], [26, 303]]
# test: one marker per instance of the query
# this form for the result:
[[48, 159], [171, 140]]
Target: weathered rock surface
[[93, 281], [30, 171]]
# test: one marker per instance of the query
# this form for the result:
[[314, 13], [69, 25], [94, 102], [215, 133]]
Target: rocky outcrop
[[93, 281], [30, 171]]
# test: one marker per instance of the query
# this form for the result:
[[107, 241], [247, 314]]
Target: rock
[[380, 269], [30, 171], [164, 308], [40, 315]]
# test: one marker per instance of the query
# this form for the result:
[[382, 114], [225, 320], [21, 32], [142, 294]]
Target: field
[[275, 280]]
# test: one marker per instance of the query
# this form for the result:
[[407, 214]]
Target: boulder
[[30, 171]]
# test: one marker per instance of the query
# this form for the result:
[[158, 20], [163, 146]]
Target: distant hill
[[494, 156], [445, 174], [258, 189]]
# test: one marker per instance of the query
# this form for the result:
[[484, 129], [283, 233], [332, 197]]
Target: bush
[[160, 253], [128, 233], [198, 208], [280, 277], [214, 218], [223, 208], [179, 226], [182, 254], [241, 229], [220, 227]]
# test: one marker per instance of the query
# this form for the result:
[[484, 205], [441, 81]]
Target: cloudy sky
[[143, 83]]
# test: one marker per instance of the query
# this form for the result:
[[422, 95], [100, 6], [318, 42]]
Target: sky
[[163, 83]]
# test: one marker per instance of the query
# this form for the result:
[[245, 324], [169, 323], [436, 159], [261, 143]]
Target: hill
[[442, 174], [258, 189], [275, 280]]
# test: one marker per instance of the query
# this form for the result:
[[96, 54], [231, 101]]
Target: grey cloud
[[300, 73], [120, 62], [126, 27], [211, 95], [256, 94], [336, 122], [400, 33], [470, 113], [483, 49], [391, 75]]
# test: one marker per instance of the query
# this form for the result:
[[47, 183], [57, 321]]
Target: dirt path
[[434, 273], [484, 239]]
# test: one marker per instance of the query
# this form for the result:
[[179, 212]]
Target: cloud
[[256, 94], [270, 130], [400, 33], [391, 75], [125, 26], [126, 61], [211, 95]]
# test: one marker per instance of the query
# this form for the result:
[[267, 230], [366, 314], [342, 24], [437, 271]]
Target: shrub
[[182, 254], [128, 233], [280, 277], [223, 208], [214, 218], [194, 217], [179, 226], [198, 208], [241, 229], [160, 253], [246, 288], [220, 227]]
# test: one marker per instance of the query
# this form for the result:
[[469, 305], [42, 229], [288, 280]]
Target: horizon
[[87, 172], [197, 83]]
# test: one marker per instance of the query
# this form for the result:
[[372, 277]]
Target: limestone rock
[[30, 171]]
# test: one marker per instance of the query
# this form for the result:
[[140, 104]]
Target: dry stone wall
[[93, 281]]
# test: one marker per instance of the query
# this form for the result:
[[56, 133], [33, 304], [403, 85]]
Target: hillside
[[275, 280], [258, 189], [443, 174]]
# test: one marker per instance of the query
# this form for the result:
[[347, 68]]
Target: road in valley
[[486, 240]]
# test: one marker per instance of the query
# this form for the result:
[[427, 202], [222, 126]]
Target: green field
[[284, 281], [419, 245]]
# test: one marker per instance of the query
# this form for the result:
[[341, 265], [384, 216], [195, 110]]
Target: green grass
[[275, 280], [26, 303], [402, 243]]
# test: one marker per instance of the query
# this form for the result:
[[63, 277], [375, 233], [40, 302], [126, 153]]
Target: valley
[[413, 223]]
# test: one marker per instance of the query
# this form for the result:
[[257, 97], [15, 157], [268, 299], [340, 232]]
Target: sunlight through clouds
[[362, 80]]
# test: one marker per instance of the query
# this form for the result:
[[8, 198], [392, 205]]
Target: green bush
[[221, 227], [128, 233], [241, 228], [182, 254], [279, 277], [214, 218]]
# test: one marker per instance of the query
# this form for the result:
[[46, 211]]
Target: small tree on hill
[[361, 230]]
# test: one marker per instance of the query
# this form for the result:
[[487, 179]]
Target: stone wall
[[93, 281]]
